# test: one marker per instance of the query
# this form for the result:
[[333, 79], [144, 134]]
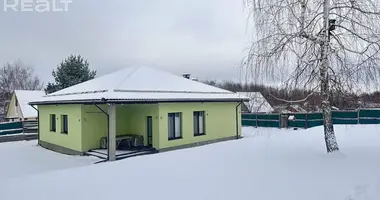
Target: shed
[[18, 108]]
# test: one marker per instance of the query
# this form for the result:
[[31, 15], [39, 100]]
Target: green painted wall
[[94, 126], [87, 124], [220, 122], [73, 139], [131, 119]]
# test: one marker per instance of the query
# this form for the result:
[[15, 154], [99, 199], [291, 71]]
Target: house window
[[199, 123], [64, 124], [52, 123], [175, 126], [16, 102]]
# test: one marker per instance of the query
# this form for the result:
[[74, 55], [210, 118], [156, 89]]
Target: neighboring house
[[18, 108], [257, 103], [168, 111]]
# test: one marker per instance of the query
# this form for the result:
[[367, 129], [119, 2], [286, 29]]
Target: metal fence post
[[256, 121], [358, 116]]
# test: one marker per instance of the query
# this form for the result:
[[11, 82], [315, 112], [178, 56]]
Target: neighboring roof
[[257, 102], [139, 84], [298, 108], [24, 97]]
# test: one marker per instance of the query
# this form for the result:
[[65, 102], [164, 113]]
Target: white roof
[[139, 84], [24, 97], [257, 102]]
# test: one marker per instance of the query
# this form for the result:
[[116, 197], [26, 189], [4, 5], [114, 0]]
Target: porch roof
[[138, 85]]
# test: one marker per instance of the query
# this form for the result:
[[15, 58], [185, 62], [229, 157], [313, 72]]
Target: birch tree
[[326, 45]]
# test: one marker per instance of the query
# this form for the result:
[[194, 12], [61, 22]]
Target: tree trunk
[[330, 139]]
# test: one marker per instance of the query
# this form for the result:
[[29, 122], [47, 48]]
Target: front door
[[149, 129]]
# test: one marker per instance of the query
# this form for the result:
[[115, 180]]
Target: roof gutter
[[115, 101], [237, 119]]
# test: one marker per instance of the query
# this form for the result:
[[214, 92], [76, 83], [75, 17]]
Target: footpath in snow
[[268, 164]]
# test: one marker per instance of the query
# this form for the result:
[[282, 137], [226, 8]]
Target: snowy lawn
[[268, 164], [19, 159]]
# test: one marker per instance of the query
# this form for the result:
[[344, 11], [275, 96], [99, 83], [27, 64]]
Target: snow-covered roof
[[24, 97], [298, 108], [257, 102], [139, 84]]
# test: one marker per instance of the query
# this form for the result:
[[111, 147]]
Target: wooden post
[[306, 121], [112, 133]]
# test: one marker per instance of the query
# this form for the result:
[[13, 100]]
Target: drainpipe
[[38, 125], [237, 120], [108, 128]]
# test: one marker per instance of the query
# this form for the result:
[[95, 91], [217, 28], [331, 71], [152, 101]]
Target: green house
[[166, 111]]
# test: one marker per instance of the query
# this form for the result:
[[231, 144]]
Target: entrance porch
[[117, 131], [121, 154]]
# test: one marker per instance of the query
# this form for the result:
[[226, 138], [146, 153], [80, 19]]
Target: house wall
[[73, 139], [87, 124], [220, 122], [94, 126], [132, 119]]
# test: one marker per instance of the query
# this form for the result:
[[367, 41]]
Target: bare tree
[[329, 45], [16, 76]]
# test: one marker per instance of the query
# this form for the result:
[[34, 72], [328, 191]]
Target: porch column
[[112, 132]]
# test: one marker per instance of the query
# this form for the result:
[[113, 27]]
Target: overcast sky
[[206, 38]]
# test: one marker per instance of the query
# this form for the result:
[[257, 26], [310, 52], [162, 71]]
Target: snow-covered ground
[[268, 164], [19, 159]]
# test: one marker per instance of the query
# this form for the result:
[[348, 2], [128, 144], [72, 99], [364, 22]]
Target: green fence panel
[[369, 113], [369, 121], [313, 116], [11, 125], [253, 116], [299, 116], [11, 132], [314, 123], [269, 116], [273, 120], [246, 116], [345, 121], [297, 124], [345, 114], [248, 123], [274, 124]]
